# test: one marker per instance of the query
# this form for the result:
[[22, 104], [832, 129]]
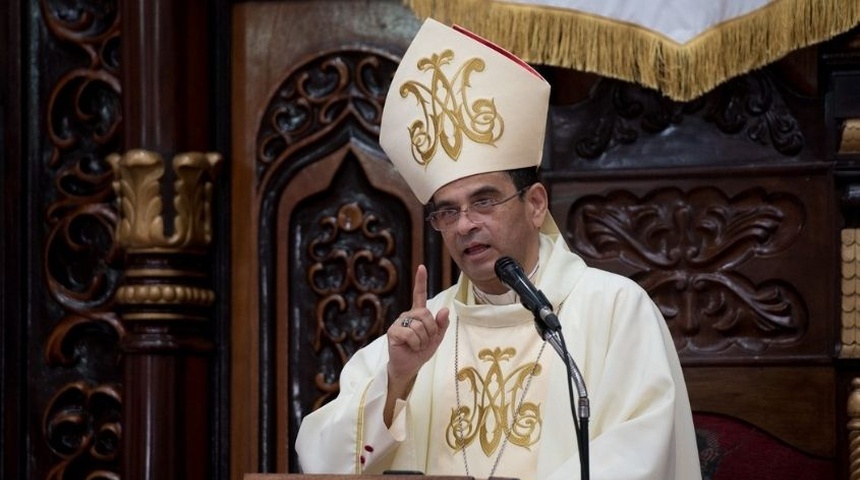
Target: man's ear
[[538, 200]]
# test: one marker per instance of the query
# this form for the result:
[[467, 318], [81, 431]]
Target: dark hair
[[523, 177]]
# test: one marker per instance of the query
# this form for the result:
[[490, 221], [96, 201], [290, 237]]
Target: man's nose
[[465, 223]]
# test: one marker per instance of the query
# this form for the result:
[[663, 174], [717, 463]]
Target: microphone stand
[[555, 339]]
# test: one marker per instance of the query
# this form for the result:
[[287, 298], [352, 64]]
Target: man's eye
[[447, 214], [483, 203]]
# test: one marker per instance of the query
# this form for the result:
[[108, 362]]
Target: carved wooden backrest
[[326, 234], [346, 237]]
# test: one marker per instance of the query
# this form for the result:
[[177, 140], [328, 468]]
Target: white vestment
[[640, 424]]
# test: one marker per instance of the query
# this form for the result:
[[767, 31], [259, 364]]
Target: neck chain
[[515, 413]]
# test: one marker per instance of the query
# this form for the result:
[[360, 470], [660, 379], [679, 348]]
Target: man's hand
[[412, 339]]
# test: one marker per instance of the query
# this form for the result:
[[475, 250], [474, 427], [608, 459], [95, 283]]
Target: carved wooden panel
[[739, 271], [75, 389], [352, 273], [326, 234], [345, 258], [716, 207], [724, 210], [746, 121], [340, 222]]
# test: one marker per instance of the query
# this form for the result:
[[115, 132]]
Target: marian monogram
[[497, 407], [449, 115]]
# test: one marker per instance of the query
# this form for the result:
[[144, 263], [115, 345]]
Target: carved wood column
[[164, 302], [854, 430], [164, 184], [841, 68]]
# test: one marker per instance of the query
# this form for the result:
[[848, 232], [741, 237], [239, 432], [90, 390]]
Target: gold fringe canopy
[[585, 42]]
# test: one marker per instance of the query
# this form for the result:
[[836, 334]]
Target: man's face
[[480, 236]]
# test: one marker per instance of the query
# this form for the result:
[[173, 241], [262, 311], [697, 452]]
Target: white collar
[[508, 298]]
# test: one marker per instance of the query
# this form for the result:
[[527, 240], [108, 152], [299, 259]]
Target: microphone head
[[511, 274], [506, 269]]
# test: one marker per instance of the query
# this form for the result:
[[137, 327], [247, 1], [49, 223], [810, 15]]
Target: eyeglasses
[[476, 212]]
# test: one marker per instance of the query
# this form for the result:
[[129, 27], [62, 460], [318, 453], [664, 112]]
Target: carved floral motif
[[82, 427], [351, 273], [319, 95], [84, 106], [748, 105], [688, 249], [138, 176], [83, 115]]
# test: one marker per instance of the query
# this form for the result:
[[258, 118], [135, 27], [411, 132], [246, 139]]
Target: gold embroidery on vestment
[[448, 114], [494, 404]]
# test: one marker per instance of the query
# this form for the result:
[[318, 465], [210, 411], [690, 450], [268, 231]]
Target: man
[[462, 384]]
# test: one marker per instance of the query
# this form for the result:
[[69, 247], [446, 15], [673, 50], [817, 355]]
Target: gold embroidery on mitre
[[494, 403], [449, 115]]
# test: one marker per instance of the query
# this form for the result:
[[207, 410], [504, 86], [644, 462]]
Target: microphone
[[511, 274], [546, 322]]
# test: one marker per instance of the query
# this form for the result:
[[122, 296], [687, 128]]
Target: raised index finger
[[419, 290]]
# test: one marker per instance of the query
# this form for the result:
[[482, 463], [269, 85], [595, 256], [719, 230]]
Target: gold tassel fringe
[[571, 39]]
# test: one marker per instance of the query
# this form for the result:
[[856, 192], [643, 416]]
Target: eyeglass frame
[[489, 205]]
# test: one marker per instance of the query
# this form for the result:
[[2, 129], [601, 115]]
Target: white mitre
[[458, 106]]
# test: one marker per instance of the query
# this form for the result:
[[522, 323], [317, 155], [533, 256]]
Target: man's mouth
[[475, 249]]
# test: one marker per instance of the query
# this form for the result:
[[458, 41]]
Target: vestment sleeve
[[348, 434], [641, 425]]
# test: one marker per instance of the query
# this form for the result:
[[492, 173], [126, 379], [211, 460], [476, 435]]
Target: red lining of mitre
[[497, 48]]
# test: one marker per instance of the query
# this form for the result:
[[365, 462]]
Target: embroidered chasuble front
[[495, 359], [640, 426]]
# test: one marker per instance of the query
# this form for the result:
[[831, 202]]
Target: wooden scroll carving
[[353, 275], [77, 389], [628, 126], [687, 249], [340, 226], [731, 254]]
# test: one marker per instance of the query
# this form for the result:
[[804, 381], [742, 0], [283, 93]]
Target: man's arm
[[331, 439], [351, 433], [411, 343]]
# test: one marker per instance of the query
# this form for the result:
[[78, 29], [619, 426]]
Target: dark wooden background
[[729, 209]]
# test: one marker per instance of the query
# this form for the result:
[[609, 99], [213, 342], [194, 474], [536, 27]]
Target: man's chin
[[480, 274]]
